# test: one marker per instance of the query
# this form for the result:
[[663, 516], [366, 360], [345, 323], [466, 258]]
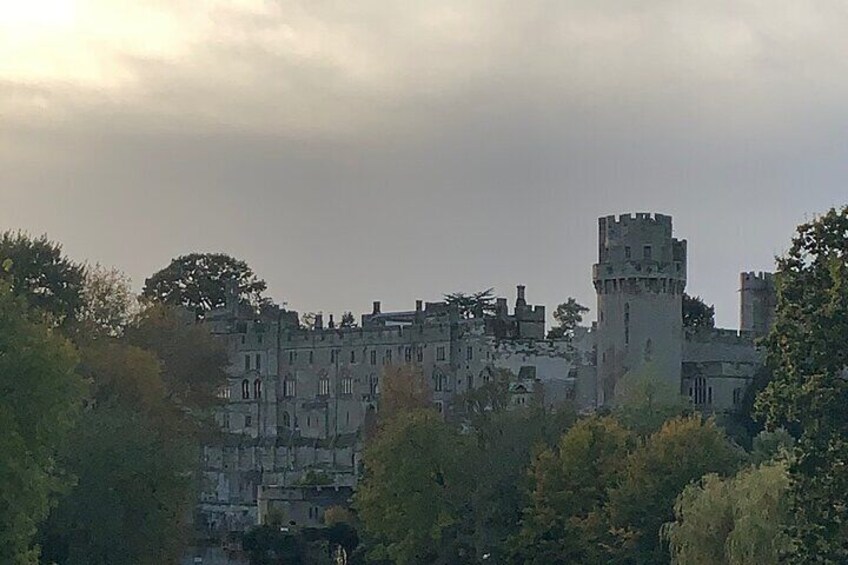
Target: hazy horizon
[[395, 152]]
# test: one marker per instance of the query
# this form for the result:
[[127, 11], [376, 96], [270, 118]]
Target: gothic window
[[347, 385], [440, 353], [247, 362], [699, 391], [258, 365], [257, 389], [289, 387], [324, 387], [286, 420], [245, 389]]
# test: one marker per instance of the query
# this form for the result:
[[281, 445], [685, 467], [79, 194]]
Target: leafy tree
[[193, 362], [809, 391], [414, 493], [570, 487], [36, 269], [39, 400], [348, 321], [107, 303], [203, 281], [645, 402], [696, 313], [682, 451], [568, 315], [403, 388], [308, 320], [474, 305], [739, 520]]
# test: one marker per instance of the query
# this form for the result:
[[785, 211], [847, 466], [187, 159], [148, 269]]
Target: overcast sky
[[356, 151]]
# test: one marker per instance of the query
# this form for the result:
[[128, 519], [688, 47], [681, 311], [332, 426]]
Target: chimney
[[376, 307], [419, 305], [319, 321], [331, 323], [520, 298]]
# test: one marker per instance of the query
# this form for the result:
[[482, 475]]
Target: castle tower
[[639, 279], [757, 302]]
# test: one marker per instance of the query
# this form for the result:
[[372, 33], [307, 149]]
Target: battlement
[[752, 280], [637, 218]]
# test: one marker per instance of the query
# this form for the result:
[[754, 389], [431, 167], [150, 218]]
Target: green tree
[[204, 281], [570, 486], [474, 305], [36, 269], [415, 491], [348, 321], [644, 402], [808, 392], [403, 388], [696, 313], [682, 451], [739, 520], [568, 316], [107, 303], [39, 400]]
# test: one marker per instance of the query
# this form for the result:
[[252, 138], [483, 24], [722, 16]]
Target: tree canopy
[[568, 316], [475, 305], [696, 313], [204, 281]]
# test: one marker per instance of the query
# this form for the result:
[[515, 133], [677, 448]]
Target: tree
[[682, 451], [474, 305], [308, 320], [36, 269], [107, 303], [570, 487], [403, 388], [204, 281], [696, 313], [348, 321], [568, 315], [808, 392], [739, 520], [39, 400], [644, 402], [415, 489]]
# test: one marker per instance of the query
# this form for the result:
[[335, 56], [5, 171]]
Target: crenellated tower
[[639, 279], [758, 301]]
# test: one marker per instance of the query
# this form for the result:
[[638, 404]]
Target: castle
[[298, 399]]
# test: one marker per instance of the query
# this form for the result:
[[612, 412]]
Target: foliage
[[403, 388], [193, 362], [474, 305], [735, 521], [682, 451], [568, 315], [203, 281], [770, 445], [348, 321], [315, 478], [696, 313], [107, 303], [308, 320], [413, 497], [644, 401], [809, 391], [270, 544], [569, 489], [36, 269], [39, 399]]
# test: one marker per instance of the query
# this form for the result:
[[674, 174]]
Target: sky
[[394, 151]]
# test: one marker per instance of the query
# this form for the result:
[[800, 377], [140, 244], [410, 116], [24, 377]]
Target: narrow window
[[627, 252], [311, 357], [407, 354], [289, 388], [353, 356], [627, 324], [291, 357], [420, 354], [247, 362], [245, 389], [469, 353], [257, 389], [248, 421], [440, 353], [647, 252], [373, 356], [347, 385], [258, 362], [286, 420], [324, 387]]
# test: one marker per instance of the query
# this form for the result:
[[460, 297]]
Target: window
[[439, 406], [324, 387], [407, 354], [737, 396], [257, 389], [469, 381], [373, 356], [247, 362], [347, 385], [699, 391], [373, 385], [224, 392], [242, 340], [387, 357], [226, 421], [258, 365], [291, 357], [438, 382], [311, 357], [352, 356], [646, 253], [627, 252], [333, 355], [440, 353], [248, 421], [347, 418], [289, 387], [286, 420], [469, 353], [245, 389], [420, 354], [627, 324]]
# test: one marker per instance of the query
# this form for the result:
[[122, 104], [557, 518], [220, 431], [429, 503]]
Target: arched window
[[286, 420], [245, 389], [257, 389], [699, 391]]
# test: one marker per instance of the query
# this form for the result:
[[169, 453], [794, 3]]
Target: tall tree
[[403, 388], [204, 281], [39, 400], [475, 305], [682, 451], [107, 303], [36, 269], [809, 389], [568, 316], [696, 313], [348, 321], [415, 491]]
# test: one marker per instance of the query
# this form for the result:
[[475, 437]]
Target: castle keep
[[298, 399]]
